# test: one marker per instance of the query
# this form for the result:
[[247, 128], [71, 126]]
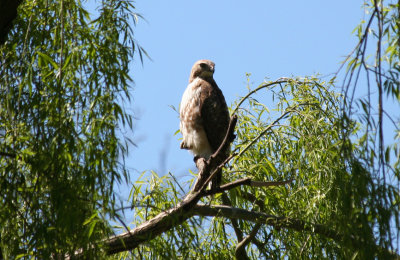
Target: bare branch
[[241, 254], [242, 245], [248, 182], [260, 217], [215, 160], [151, 228], [5, 154]]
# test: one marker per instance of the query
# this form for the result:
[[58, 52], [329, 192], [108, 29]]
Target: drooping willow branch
[[269, 127]]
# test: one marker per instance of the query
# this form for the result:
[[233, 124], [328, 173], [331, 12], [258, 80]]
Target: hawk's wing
[[214, 113]]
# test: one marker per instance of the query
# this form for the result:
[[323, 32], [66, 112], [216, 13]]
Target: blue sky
[[269, 39]]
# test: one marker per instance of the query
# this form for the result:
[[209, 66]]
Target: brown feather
[[204, 110]]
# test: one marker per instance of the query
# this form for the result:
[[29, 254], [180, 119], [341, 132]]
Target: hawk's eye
[[203, 65]]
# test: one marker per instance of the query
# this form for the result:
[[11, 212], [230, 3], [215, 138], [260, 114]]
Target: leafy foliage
[[305, 146], [64, 77], [300, 138], [62, 82], [378, 149]]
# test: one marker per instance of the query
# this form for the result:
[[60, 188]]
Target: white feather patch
[[194, 136]]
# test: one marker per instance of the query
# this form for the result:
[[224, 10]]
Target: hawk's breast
[[191, 125]]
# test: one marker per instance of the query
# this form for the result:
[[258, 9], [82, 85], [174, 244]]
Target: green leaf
[[47, 58]]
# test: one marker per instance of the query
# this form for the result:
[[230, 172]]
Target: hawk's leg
[[184, 146], [196, 160]]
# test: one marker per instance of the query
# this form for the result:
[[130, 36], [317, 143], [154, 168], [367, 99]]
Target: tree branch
[[5, 154], [216, 160], [188, 208], [284, 114], [241, 253], [279, 81], [260, 217], [177, 215], [242, 245], [248, 182], [282, 222]]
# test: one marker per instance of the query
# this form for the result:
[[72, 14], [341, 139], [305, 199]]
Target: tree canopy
[[63, 78], [311, 176]]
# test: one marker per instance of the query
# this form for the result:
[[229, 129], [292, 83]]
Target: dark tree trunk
[[8, 12]]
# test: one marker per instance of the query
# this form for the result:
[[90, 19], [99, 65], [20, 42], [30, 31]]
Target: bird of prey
[[204, 115]]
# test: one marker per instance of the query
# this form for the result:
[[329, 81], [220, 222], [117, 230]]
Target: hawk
[[204, 115]]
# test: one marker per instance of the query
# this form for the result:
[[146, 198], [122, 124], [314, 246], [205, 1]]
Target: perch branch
[[174, 216], [248, 182], [215, 160]]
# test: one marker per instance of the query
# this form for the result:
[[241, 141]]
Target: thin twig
[[279, 81], [378, 78]]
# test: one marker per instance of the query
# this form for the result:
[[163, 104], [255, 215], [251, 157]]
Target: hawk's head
[[203, 69]]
